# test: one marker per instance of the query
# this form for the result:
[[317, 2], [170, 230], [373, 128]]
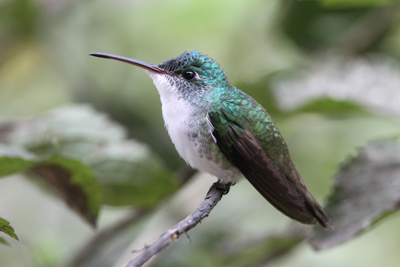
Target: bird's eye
[[189, 75]]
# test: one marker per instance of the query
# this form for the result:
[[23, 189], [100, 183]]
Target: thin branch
[[213, 196]]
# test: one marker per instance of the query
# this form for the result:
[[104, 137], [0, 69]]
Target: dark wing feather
[[245, 151]]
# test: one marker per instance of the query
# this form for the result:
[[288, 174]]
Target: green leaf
[[14, 159], [366, 190], [74, 183], [128, 173], [141, 183], [6, 228]]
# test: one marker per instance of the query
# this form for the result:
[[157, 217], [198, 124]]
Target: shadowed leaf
[[74, 183], [366, 189], [127, 171], [126, 181]]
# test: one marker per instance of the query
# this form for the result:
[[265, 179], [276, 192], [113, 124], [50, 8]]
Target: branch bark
[[214, 195]]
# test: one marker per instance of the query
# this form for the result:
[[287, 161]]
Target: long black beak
[[141, 64]]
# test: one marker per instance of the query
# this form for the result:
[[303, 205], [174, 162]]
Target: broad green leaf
[[128, 173], [140, 183], [7, 229], [74, 183], [366, 190], [14, 159]]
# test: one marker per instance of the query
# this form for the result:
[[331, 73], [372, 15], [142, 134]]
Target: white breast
[[177, 113]]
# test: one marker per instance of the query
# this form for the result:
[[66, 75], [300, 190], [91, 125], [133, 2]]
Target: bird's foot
[[221, 187]]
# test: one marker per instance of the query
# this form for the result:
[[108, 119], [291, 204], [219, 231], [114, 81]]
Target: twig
[[214, 195]]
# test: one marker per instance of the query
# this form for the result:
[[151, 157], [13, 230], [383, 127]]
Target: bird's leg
[[220, 186]]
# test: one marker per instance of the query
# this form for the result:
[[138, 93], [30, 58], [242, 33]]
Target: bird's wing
[[245, 151]]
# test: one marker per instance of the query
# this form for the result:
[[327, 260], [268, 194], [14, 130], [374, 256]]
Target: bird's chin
[[151, 73]]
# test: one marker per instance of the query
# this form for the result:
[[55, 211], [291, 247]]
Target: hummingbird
[[218, 129]]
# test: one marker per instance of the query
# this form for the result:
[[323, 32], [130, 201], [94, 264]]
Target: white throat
[[176, 113]]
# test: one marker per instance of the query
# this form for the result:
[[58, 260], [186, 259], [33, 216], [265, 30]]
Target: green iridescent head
[[192, 75], [193, 67]]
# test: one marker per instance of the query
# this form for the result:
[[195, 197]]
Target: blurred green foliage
[[6, 228], [44, 63], [313, 26]]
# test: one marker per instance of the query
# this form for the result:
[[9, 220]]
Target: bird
[[218, 129]]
